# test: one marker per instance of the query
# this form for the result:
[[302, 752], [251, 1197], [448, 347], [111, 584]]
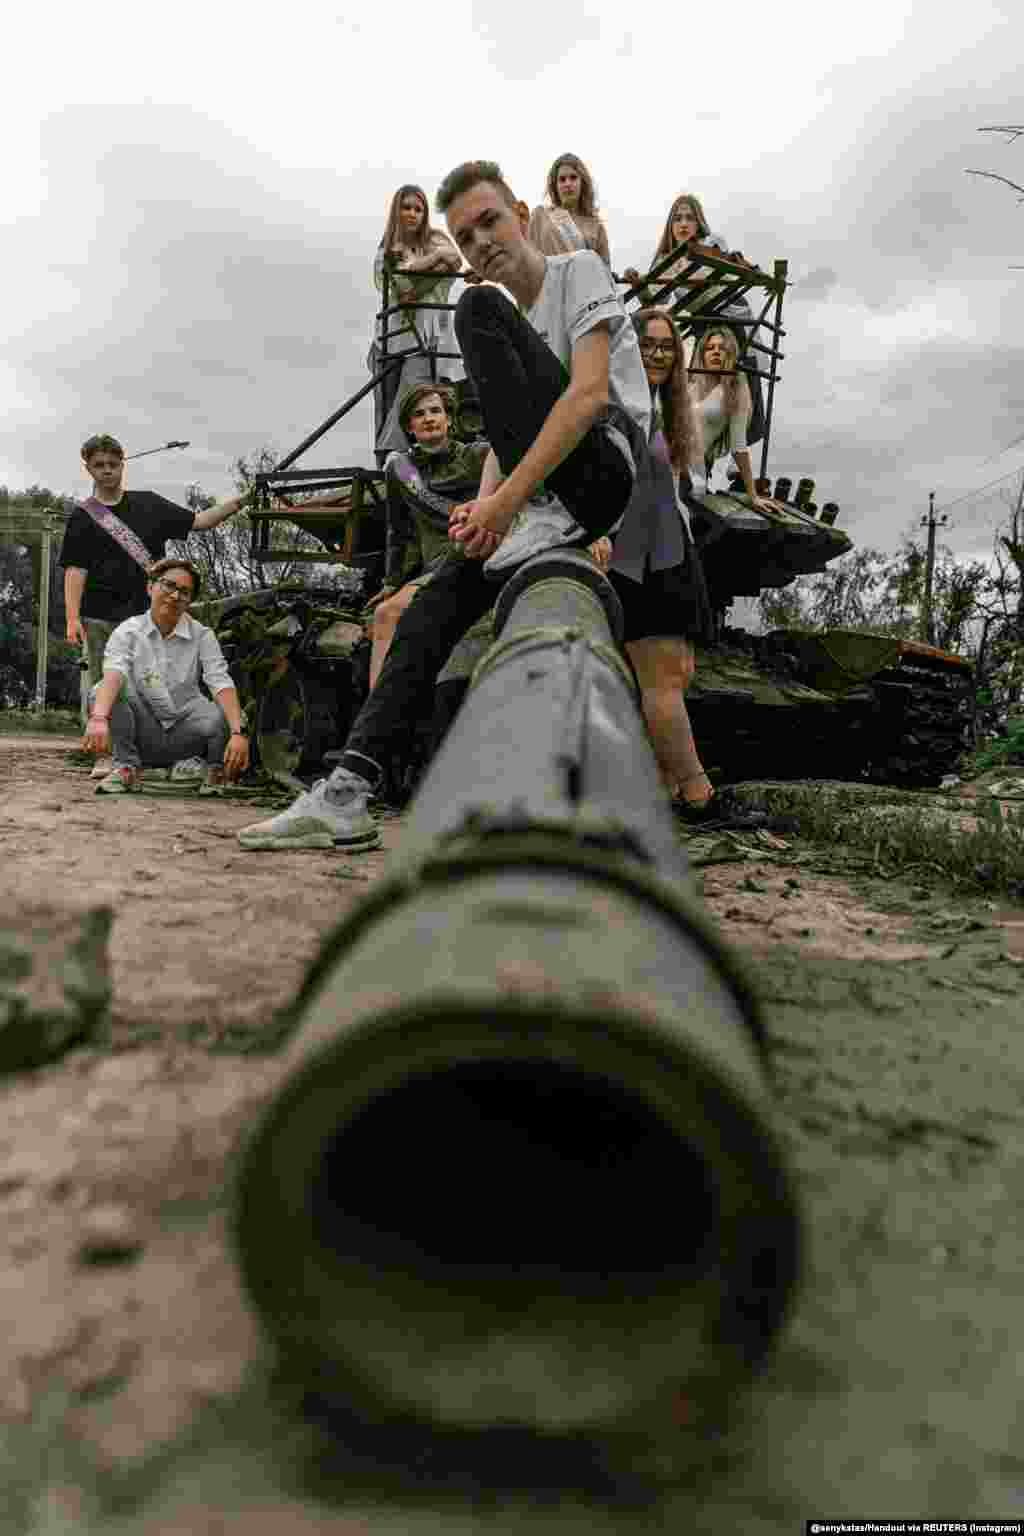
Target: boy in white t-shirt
[[560, 380], [566, 409]]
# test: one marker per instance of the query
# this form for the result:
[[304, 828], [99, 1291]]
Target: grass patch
[[49, 722], [905, 839]]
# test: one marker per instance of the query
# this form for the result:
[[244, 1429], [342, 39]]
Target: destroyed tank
[[835, 703], [796, 704], [842, 704]]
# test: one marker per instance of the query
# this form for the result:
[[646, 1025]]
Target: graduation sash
[[106, 518]]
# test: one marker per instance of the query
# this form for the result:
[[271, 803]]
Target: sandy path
[[132, 1377]]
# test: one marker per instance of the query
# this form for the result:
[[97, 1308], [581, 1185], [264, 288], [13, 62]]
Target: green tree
[[871, 589], [18, 604]]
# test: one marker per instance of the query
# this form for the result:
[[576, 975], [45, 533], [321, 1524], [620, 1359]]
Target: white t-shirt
[[715, 422], [578, 294]]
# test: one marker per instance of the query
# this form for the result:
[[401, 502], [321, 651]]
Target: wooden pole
[[43, 635]]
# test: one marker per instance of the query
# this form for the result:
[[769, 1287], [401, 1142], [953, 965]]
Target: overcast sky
[[195, 197]]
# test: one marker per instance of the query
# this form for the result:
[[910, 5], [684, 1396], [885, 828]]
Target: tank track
[[908, 725]]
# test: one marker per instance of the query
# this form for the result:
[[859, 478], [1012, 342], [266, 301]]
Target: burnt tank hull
[[837, 704], [781, 705], [300, 661]]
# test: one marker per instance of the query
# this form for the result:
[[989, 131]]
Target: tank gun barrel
[[519, 1169]]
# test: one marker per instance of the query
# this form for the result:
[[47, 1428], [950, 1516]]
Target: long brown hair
[[588, 192], [666, 243], [394, 223], [735, 389], [677, 415]]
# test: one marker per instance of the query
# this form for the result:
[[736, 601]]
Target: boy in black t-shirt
[[103, 583]]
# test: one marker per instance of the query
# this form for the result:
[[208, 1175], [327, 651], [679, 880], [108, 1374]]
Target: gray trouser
[[97, 633], [140, 741]]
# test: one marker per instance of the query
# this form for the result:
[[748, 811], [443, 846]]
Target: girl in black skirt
[[656, 569]]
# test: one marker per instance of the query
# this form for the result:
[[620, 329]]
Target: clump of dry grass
[[987, 855]]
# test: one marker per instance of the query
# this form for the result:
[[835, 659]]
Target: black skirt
[[672, 602]]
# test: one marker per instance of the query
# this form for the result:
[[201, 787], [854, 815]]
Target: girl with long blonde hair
[[420, 262], [569, 221], [722, 400]]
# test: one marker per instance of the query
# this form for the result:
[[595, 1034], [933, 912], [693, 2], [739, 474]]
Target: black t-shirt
[[115, 586]]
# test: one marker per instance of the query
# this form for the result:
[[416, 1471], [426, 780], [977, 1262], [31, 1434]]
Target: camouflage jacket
[[422, 488]]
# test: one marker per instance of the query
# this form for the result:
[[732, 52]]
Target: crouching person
[[148, 710]]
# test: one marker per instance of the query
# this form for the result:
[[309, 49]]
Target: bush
[[998, 751]]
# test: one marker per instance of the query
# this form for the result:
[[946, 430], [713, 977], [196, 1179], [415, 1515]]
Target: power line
[[946, 505]]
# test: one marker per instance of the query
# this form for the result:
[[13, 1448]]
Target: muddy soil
[[136, 1391]]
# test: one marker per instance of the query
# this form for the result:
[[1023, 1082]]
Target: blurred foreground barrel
[[520, 1170]]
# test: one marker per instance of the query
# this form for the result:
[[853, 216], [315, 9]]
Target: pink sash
[[106, 518]]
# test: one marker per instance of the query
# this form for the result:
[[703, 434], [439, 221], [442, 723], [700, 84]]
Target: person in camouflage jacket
[[423, 483]]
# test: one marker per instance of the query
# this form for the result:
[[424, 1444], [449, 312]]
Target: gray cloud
[[180, 282], [245, 317], [816, 284]]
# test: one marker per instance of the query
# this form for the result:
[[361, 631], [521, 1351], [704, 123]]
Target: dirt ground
[[136, 1391]]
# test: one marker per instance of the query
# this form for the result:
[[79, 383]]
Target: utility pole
[[931, 523]]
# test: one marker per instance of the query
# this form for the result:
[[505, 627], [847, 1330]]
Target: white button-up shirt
[[165, 672]]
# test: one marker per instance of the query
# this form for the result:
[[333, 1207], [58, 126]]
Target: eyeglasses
[[181, 594], [651, 348]]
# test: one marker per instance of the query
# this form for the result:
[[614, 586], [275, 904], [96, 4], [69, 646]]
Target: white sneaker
[[102, 768], [188, 770], [538, 526], [121, 780], [332, 814]]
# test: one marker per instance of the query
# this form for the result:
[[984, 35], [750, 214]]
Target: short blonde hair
[[175, 563]]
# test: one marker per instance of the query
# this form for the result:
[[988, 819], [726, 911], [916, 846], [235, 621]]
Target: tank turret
[[746, 549]]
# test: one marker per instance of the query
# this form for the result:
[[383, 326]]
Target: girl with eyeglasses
[[657, 572]]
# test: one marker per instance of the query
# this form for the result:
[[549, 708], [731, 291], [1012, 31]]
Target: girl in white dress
[[722, 399]]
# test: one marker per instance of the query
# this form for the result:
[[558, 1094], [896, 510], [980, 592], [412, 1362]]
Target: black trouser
[[429, 629], [518, 379]]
